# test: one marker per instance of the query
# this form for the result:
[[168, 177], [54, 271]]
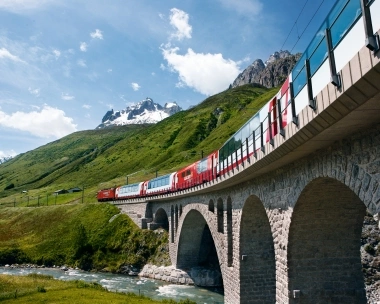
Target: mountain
[[144, 112], [103, 158], [271, 74], [5, 159]]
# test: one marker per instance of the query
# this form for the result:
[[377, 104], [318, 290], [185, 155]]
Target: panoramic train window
[[159, 181], [202, 166]]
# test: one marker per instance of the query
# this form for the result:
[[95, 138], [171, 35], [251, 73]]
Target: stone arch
[[324, 245], [220, 215], [196, 247], [176, 218], [161, 219], [257, 257], [180, 210], [211, 206]]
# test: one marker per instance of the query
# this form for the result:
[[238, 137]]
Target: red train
[[258, 130]]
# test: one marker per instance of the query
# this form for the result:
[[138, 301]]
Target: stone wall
[[326, 183]]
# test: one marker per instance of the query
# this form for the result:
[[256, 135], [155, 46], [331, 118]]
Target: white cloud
[[206, 73], [49, 122], [82, 63], [86, 106], [135, 86], [4, 53], [83, 46], [98, 34], [162, 67], [243, 7], [66, 96], [10, 153], [180, 21], [162, 16], [109, 70], [57, 53], [35, 92]]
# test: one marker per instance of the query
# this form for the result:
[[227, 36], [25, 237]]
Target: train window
[[222, 153], [231, 146], [245, 132], [202, 166], [237, 137], [254, 123]]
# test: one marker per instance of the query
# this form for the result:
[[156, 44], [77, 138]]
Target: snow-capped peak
[[145, 111]]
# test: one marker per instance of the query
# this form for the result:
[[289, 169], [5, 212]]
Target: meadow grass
[[36, 288]]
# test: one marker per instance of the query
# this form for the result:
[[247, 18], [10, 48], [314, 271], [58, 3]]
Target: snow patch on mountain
[[144, 112]]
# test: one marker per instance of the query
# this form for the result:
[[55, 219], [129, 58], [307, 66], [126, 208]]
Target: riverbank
[[154, 289], [38, 288]]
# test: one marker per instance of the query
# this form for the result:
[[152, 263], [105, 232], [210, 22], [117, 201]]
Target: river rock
[[166, 273], [129, 270]]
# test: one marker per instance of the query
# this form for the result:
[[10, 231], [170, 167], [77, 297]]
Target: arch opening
[[176, 218], [257, 257], [220, 215], [197, 252], [324, 245], [161, 220], [211, 206], [172, 224], [229, 233]]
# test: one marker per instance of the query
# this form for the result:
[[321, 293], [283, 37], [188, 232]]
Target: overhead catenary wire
[[307, 25], [295, 22]]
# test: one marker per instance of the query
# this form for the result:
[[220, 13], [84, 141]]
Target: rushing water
[[116, 282]]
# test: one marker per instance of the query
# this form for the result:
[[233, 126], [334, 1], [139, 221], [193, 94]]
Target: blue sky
[[65, 63]]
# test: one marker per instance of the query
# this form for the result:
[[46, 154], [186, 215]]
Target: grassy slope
[[78, 235], [103, 158], [43, 289]]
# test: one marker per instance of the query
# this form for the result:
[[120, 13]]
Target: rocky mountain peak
[[277, 55], [271, 74], [143, 112]]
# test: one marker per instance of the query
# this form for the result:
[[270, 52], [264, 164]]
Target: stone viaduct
[[285, 226]]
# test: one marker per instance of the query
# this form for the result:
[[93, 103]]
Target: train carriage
[[129, 191], [257, 131], [197, 173], [160, 185], [106, 195]]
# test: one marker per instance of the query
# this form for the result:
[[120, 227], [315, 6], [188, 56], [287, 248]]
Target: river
[[154, 289]]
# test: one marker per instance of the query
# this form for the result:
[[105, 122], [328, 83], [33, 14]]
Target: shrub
[[10, 186], [41, 289]]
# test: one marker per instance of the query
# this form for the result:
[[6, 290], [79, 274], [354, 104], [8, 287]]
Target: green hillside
[[98, 159], [89, 236]]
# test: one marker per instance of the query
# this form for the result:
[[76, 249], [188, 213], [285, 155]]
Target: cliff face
[[273, 74]]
